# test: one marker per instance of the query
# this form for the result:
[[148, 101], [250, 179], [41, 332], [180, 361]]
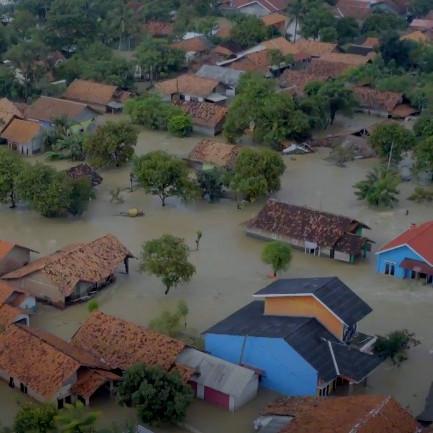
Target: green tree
[[46, 190], [151, 111], [257, 173], [278, 255], [164, 175], [421, 7], [81, 194], [180, 125], [167, 258], [76, 419], [32, 418], [156, 57], [11, 165], [395, 345], [347, 30], [315, 20], [337, 96], [390, 140], [249, 31], [379, 188], [296, 11], [92, 305], [213, 182], [10, 86], [112, 145], [423, 152], [381, 22], [168, 323], [159, 396], [68, 147], [23, 24], [423, 127], [393, 49]]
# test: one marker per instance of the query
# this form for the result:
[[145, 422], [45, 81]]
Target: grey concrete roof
[[228, 76], [306, 335], [215, 373], [331, 291]]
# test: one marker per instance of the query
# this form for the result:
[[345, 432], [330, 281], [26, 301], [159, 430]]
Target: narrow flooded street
[[229, 269]]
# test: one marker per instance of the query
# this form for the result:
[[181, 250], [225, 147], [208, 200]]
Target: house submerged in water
[[319, 233]]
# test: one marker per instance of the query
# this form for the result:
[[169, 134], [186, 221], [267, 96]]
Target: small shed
[[219, 382]]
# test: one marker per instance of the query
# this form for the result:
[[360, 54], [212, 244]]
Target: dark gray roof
[[228, 76], [304, 334], [331, 291]]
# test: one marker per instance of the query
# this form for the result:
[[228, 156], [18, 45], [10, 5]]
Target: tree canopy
[[164, 175], [249, 31], [11, 165], [159, 396], [278, 255], [167, 258]]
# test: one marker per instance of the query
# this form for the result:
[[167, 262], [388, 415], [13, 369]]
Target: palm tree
[[379, 188], [296, 10], [68, 147], [76, 419]]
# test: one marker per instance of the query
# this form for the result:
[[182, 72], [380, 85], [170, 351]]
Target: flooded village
[[133, 302]]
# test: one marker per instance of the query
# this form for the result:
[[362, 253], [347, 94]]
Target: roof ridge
[[356, 428]]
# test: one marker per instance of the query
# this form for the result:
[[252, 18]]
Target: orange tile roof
[[8, 110], [215, 152], [89, 381], [422, 24], [6, 290], [203, 113], [46, 108], [348, 59], [274, 18], [21, 131], [294, 81], [359, 13], [315, 48], [187, 84], [327, 69], [90, 262], [197, 44], [159, 28], [90, 92], [34, 362], [360, 413], [122, 344], [416, 36], [9, 310], [282, 45], [258, 61], [371, 42], [377, 99], [8, 314]]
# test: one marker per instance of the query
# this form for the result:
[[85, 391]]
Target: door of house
[[389, 268], [216, 397]]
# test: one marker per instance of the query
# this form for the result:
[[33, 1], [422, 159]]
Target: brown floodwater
[[229, 270]]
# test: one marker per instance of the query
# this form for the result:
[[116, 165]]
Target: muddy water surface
[[229, 270]]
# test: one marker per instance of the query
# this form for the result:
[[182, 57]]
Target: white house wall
[[249, 392], [17, 258]]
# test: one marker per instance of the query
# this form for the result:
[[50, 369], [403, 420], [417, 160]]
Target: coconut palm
[[76, 419], [68, 147], [379, 188], [296, 10]]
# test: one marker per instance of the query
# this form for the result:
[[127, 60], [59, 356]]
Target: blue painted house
[[409, 255], [295, 354]]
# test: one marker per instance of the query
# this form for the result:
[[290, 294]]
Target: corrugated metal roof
[[215, 373]]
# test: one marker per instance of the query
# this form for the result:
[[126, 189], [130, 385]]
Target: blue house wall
[[285, 370], [396, 255]]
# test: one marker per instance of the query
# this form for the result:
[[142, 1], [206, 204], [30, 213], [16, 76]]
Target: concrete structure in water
[[409, 255], [298, 338]]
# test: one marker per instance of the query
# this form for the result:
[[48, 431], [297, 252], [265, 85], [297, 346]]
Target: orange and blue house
[[409, 255], [298, 334]]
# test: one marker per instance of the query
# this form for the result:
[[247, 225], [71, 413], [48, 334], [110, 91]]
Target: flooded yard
[[229, 270]]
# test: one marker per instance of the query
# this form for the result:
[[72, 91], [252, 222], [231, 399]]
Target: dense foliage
[[395, 345], [278, 255]]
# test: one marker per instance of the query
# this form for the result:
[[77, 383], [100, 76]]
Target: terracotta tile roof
[[283, 46], [359, 13], [90, 92], [7, 247], [228, 48], [8, 110], [274, 18], [421, 24], [215, 153], [315, 48], [354, 4], [269, 5], [294, 81], [371, 42], [298, 222], [90, 380], [327, 69], [18, 299], [158, 28], [9, 313], [416, 36], [224, 28], [429, 16], [6, 290], [188, 85], [90, 262], [203, 113], [122, 344], [46, 108], [360, 414], [348, 59], [403, 110], [419, 238], [40, 366], [377, 99], [197, 44], [84, 170], [21, 131]]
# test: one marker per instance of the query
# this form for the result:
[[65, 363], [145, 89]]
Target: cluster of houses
[[22, 126]]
